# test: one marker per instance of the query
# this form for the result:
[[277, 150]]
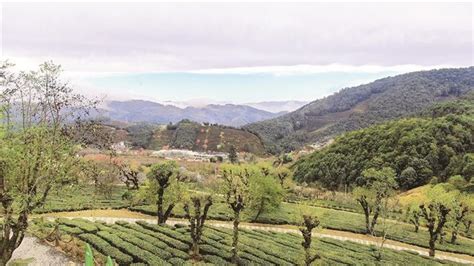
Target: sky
[[235, 52]]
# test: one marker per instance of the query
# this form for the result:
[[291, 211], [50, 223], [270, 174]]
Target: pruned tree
[[236, 189], [129, 175], [265, 193], [309, 223], [36, 154], [467, 226], [197, 220], [414, 216], [385, 226], [164, 176], [459, 211], [436, 215], [377, 188], [103, 173], [283, 174]]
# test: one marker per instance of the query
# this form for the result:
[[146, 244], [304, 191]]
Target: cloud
[[147, 37], [315, 69]]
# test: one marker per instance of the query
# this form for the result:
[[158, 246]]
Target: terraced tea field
[[144, 243]]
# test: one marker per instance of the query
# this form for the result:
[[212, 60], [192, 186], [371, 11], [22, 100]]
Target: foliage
[[206, 137], [36, 153], [233, 157], [376, 190], [362, 106], [417, 149], [435, 215], [163, 177], [197, 220], [141, 134], [309, 223], [265, 193], [236, 189]]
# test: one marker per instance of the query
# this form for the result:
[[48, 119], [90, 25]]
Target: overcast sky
[[235, 52]]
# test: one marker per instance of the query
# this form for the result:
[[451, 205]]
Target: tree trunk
[[196, 250], [441, 237], [260, 210], [432, 246], [365, 206], [159, 206], [374, 221], [235, 239], [416, 228], [454, 236], [468, 227], [6, 255]]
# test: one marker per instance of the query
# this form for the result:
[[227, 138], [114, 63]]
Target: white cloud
[[147, 37], [315, 69]]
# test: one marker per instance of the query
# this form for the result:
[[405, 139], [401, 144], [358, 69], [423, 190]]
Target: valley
[[366, 191]]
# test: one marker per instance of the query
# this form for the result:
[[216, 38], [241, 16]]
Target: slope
[[358, 107]]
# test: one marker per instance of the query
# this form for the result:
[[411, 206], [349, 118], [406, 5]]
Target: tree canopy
[[440, 143]]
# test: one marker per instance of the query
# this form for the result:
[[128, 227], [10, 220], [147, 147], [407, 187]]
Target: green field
[[144, 243], [290, 213], [82, 198]]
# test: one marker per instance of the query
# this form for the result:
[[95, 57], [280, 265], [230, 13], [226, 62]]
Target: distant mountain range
[[269, 106], [278, 106], [133, 111], [361, 106]]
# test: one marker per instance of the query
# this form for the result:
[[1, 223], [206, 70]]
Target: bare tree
[[309, 223], [197, 220]]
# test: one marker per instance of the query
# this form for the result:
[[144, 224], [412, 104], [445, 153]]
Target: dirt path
[[32, 252], [112, 216]]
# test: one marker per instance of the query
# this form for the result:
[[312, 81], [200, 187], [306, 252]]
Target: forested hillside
[[438, 144], [362, 106], [205, 137], [185, 134]]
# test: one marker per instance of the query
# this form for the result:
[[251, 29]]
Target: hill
[[205, 137], [358, 107], [438, 144], [185, 134], [134, 111]]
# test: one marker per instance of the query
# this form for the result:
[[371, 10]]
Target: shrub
[[137, 253], [70, 230], [106, 249], [82, 224], [133, 238]]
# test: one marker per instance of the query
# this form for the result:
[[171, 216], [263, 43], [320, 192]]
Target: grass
[[143, 243], [82, 198]]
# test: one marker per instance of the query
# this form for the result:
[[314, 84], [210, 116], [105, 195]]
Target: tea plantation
[[144, 243]]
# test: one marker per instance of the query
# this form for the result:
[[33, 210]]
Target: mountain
[[152, 112], [361, 106], [439, 142], [278, 106]]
